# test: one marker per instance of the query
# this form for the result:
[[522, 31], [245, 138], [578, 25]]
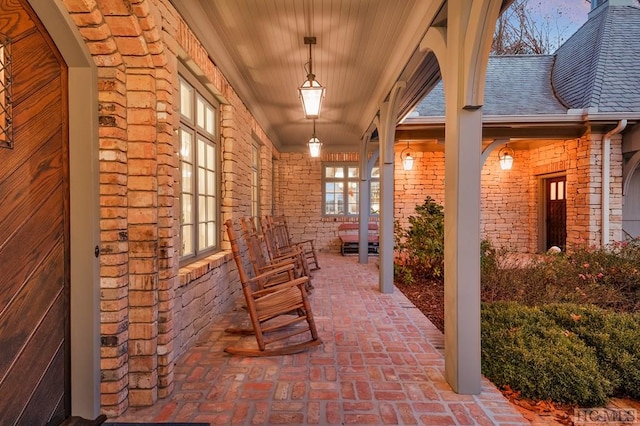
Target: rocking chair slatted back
[[277, 249], [284, 239], [260, 262]]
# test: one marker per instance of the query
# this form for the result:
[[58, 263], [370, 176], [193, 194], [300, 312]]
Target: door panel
[[556, 211], [34, 229]]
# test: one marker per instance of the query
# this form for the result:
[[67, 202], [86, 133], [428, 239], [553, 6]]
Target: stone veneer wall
[[151, 309], [510, 199]]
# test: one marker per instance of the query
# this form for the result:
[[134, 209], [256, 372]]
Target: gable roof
[[599, 66]]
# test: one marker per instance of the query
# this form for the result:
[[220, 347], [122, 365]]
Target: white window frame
[[199, 170], [350, 182]]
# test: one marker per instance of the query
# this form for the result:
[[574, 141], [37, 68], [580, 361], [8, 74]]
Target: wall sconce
[[314, 143], [311, 92], [505, 156], [407, 161]]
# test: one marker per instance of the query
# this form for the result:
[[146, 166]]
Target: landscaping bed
[[559, 331]]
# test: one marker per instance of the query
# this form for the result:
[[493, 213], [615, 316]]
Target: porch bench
[[349, 242]]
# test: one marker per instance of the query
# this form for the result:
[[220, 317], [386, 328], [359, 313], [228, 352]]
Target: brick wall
[[151, 310]]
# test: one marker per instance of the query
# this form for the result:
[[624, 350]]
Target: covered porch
[[381, 362]]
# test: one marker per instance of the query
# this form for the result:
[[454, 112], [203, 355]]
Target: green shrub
[[420, 248], [524, 348], [608, 278], [615, 338]]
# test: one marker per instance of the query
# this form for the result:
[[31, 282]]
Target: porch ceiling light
[[311, 92], [505, 156], [407, 160], [314, 143]]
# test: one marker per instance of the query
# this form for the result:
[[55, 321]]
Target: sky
[[568, 14]]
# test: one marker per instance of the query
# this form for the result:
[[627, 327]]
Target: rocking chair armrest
[[296, 282], [295, 251], [270, 273], [304, 242], [277, 263]]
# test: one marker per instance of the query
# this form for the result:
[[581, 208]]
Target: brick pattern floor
[[381, 363]]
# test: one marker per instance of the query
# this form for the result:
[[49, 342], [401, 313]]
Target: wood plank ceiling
[[363, 47]]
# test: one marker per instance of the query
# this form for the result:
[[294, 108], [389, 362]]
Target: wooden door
[[556, 211], [34, 226]]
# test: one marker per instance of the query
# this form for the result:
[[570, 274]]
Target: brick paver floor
[[381, 363]]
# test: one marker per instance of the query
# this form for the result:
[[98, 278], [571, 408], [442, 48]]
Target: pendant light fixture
[[311, 92], [314, 143], [407, 160], [505, 156]]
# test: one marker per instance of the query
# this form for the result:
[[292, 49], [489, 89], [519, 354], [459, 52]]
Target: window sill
[[350, 218], [201, 267]]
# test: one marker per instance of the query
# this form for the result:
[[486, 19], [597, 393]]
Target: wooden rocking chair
[[278, 312], [284, 239]]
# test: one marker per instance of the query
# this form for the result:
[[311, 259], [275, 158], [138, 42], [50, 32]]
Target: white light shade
[[506, 161], [311, 94], [314, 147], [407, 162]]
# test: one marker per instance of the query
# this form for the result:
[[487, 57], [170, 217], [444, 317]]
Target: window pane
[[187, 178], [202, 236], [186, 145], [330, 172], [339, 172], [375, 197], [187, 209], [353, 172], [187, 240], [200, 112], [211, 157], [210, 123], [202, 208], [186, 100], [352, 196], [211, 232], [210, 208], [375, 172], [201, 157], [552, 196], [561, 190], [201, 181]]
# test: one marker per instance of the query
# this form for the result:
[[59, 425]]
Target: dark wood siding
[[34, 229]]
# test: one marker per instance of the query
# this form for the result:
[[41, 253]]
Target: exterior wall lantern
[[314, 143], [505, 156], [407, 160], [311, 92]]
